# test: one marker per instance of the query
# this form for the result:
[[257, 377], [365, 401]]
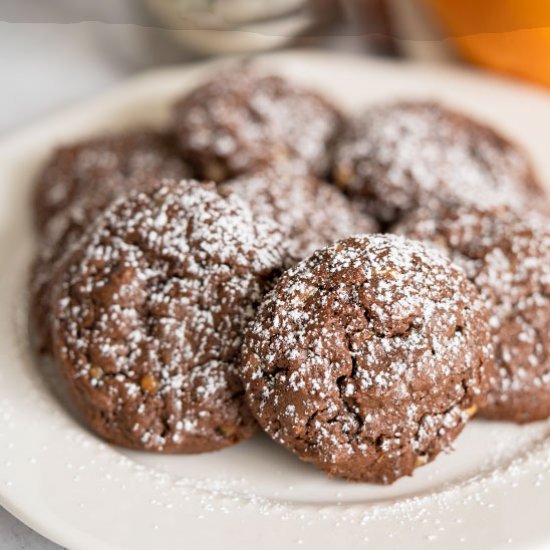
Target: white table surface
[[56, 53]]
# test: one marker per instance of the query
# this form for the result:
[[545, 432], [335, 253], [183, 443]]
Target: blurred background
[[56, 52]]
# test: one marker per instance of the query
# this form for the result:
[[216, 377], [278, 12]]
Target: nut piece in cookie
[[311, 212], [368, 358], [241, 121], [507, 256], [403, 155], [149, 312], [78, 182]]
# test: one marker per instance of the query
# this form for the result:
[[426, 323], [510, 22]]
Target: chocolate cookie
[[368, 358], [403, 155], [78, 182], [241, 121], [149, 314], [88, 174], [312, 213], [507, 256]]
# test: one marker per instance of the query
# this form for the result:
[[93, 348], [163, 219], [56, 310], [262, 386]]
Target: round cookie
[[368, 357], [312, 213], [507, 256], [241, 121], [88, 174], [149, 313], [403, 155], [78, 183]]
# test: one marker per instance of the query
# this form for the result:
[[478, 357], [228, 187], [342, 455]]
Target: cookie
[[88, 174], [368, 358], [312, 213], [403, 155], [241, 121], [149, 314], [78, 183], [507, 256]]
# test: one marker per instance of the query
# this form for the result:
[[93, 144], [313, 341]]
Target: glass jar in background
[[213, 27]]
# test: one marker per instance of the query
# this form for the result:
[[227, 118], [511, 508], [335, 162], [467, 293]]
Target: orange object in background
[[511, 36]]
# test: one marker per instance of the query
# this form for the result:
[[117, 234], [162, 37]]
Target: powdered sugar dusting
[[241, 120], [403, 155], [312, 213], [151, 310], [77, 184], [507, 256], [80, 179], [379, 346]]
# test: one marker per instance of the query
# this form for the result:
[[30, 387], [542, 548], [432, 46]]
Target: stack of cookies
[[358, 289]]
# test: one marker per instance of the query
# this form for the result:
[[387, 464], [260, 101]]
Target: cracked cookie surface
[[78, 183], [149, 314], [368, 358], [507, 256]]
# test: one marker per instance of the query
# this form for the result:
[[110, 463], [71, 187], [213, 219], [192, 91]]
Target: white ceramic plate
[[492, 491]]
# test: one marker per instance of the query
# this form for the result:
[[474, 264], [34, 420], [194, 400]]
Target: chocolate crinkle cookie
[[312, 213], [241, 121], [149, 313], [87, 175], [403, 155], [368, 358], [507, 256], [78, 182]]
